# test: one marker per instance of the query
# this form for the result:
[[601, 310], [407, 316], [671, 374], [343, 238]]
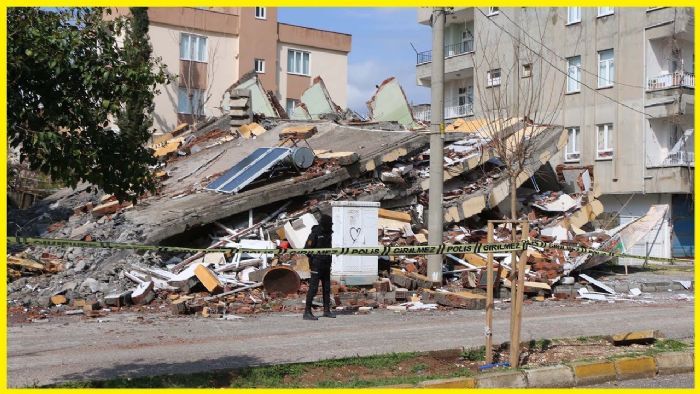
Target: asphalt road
[[75, 348], [684, 380]]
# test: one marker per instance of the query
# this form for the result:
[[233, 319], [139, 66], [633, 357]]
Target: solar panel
[[248, 169]]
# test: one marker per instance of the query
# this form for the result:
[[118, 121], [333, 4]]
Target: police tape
[[470, 248], [359, 251]]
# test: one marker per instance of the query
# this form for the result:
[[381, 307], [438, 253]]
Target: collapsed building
[[258, 175]]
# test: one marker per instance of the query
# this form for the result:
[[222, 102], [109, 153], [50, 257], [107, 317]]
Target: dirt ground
[[461, 363]]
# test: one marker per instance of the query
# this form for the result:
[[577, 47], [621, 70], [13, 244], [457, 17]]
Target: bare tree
[[521, 84], [190, 73], [513, 81]]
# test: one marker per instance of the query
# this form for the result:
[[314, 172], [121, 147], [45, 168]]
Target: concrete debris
[[316, 103], [356, 161], [389, 103]]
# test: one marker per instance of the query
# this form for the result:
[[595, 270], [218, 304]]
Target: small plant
[[475, 354], [672, 345], [419, 368]]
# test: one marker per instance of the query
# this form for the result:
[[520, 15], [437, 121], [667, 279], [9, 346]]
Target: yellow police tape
[[359, 251]]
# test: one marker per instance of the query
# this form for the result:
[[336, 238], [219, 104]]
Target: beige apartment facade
[[210, 48], [621, 80]]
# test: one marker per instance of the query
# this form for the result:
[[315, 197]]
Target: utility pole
[[437, 129]]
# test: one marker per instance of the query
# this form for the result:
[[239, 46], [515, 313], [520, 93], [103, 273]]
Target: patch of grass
[[474, 354], [419, 368], [669, 345], [380, 361]]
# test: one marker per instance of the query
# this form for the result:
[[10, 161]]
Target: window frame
[[294, 102], [526, 67], [263, 13], [610, 68], [578, 74], [493, 11], [602, 11], [569, 21], [490, 80], [200, 38], [255, 66], [302, 52], [576, 149], [198, 93], [608, 151]]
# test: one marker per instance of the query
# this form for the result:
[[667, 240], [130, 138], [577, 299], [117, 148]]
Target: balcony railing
[[677, 79], [681, 158], [450, 50], [450, 112]]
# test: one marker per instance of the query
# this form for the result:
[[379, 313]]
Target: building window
[[604, 11], [606, 68], [297, 62], [190, 101], [573, 15], [493, 77], [291, 106], [261, 12], [604, 136], [193, 47], [572, 152], [493, 11], [527, 70], [573, 79], [259, 66]]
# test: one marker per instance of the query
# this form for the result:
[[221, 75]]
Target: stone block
[[555, 376], [594, 372], [461, 383], [502, 379], [674, 362], [635, 368]]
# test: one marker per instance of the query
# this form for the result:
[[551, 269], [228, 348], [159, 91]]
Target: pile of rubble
[[381, 159]]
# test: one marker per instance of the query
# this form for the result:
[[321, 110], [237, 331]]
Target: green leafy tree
[[68, 79]]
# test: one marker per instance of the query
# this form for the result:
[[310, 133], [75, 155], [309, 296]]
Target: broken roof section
[[261, 104], [315, 103], [389, 104]]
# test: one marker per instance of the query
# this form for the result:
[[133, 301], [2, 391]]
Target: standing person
[[320, 237]]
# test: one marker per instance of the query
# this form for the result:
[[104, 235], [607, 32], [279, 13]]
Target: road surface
[[77, 348], [684, 380]]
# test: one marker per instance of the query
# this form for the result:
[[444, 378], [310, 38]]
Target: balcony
[[677, 159], [453, 112], [682, 154], [450, 50], [675, 80]]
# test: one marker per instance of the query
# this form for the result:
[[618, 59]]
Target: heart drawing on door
[[355, 234]]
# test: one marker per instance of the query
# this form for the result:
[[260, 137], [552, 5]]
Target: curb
[[576, 374]]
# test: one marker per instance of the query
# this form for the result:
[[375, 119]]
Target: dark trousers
[[323, 274]]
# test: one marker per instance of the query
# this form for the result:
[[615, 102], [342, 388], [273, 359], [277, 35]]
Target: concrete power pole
[[437, 90]]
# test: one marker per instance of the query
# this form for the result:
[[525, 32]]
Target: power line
[[558, 69], [563, 58]]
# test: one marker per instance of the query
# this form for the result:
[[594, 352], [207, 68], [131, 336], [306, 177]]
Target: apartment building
[[621, 80], [210, 48]]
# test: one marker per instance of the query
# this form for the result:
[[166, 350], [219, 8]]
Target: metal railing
[[450, 50], [680, 158], [677, 79], [450, 112]]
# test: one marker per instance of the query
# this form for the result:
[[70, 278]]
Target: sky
[[381, 46]]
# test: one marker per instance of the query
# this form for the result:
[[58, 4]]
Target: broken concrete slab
[[119, 299], [251, 130], [317, 102], [144, 293], [209, 279], [598, 284], [260, 103], [298, 132], [389, 103]]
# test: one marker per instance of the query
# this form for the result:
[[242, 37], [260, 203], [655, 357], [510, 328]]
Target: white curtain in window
[[606, 68]]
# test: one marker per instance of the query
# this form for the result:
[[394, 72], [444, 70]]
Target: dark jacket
[[319, 238]]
